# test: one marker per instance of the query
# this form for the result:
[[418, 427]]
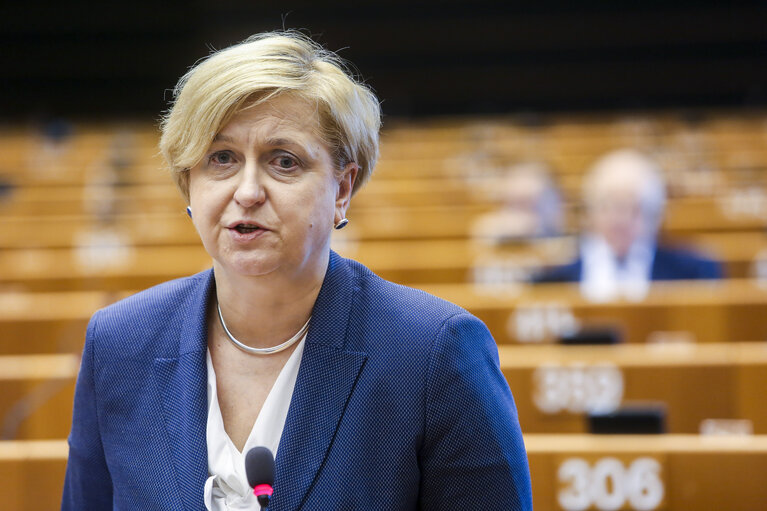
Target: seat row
[[700, 311], [568, 472], [695, 387]]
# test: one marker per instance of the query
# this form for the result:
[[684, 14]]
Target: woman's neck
[[264, 311]]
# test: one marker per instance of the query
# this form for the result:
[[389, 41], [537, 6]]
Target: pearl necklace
[[262, 351]]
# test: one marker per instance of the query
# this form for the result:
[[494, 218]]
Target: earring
[[189, 211], [341, 224]]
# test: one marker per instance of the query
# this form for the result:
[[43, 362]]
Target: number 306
[[609, 485]]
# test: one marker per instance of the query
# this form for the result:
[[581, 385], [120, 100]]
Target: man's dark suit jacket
[[399, 404], [667, 264]]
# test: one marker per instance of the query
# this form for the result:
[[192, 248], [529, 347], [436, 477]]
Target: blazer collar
[[325, 382], [182, 382]]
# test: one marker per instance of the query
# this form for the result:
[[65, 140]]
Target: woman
[[372, 395]]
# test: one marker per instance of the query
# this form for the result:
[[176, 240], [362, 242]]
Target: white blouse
[[227, 487]]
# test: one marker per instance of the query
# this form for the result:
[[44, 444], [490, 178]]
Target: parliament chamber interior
[[642, 395]]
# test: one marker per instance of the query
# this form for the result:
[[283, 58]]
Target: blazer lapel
[[325, 382], [182, 382]]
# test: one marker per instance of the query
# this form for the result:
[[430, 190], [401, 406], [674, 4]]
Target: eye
[[221, 158], [285, 162]]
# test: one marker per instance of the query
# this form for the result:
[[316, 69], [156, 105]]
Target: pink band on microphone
[[262, 489]]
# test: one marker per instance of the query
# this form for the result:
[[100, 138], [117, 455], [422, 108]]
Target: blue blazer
[[667, 264], [399, 404]]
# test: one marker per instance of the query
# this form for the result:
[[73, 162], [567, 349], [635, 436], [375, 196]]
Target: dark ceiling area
[[102, 60]]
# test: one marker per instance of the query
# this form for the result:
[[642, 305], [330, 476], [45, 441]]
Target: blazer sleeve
[[473, 456], [87, 484]]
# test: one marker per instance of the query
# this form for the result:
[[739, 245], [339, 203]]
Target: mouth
[[246, 228]]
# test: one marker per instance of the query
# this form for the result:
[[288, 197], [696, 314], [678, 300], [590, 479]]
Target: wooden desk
[[704, 311], [670, 472], [712, 311], [43, 323], [418, 222], [454, 261], [36, 395], [571, 144], [32, 474], [77, 200], [417, 183], [555, 386], [141, 229], [409, 262], [102, 269]]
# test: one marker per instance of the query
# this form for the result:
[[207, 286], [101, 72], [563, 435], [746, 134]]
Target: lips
[[244, 226], [246, 230]]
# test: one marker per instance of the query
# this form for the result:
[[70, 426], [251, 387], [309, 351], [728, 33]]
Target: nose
[[250, 190]]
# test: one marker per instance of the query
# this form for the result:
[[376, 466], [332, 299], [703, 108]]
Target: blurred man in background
[[624, 197]]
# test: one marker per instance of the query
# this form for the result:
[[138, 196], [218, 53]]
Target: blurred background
[[588, 178], [423, 58]]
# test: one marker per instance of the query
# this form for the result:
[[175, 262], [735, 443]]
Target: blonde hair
[[256, 70]]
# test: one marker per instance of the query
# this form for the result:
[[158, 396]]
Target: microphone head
[[259, 466]]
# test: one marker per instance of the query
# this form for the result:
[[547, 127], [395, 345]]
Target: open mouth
[[246, 228]]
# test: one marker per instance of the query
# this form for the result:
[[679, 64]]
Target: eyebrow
[[304, 148], [281, 142], [271, 142], [223, 138]]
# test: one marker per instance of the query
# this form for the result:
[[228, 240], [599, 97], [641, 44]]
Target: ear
[[345, 186]]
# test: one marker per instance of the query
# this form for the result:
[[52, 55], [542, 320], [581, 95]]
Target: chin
[[250, 266], [256, 263]]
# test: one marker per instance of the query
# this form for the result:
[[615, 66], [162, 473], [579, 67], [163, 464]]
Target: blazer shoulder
[[410, 320], [411, 330], [132, 325], [156, 299], [405, 302]]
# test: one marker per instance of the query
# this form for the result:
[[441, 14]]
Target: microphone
[[259, 468]]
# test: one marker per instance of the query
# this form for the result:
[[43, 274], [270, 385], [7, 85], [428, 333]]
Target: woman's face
[[265, 195]]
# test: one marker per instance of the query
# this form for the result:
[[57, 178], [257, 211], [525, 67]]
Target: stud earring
[[189, 211], [341, 224]]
